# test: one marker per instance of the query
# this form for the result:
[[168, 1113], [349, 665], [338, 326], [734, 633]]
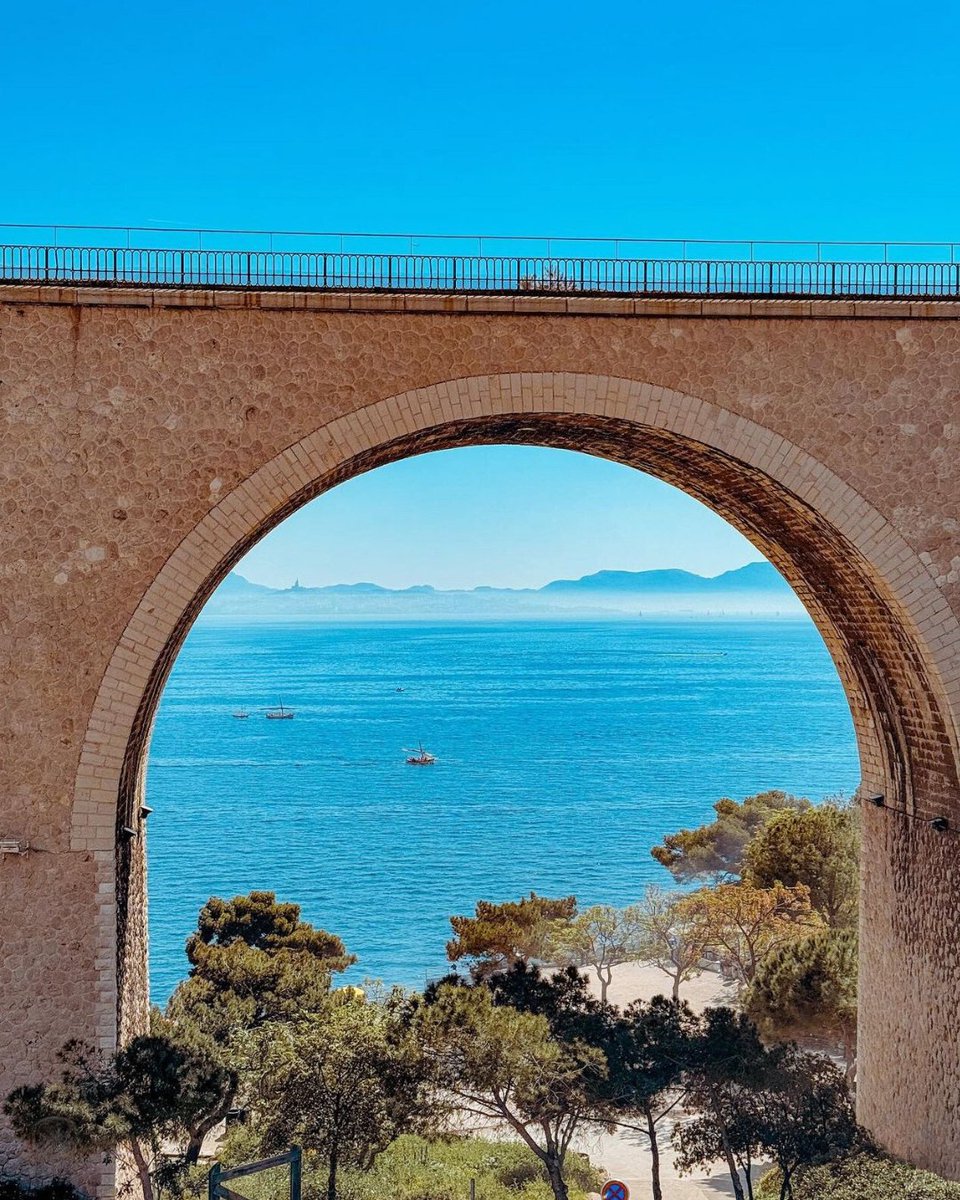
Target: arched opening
[[580, 725], [874, 604]]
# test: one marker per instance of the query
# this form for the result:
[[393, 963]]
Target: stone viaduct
[[151, 435]]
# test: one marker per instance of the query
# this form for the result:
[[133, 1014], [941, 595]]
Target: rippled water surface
[[565, 750]]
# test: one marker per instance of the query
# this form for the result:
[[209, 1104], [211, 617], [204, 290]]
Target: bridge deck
[[525, 304]]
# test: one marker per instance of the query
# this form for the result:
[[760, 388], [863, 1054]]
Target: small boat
[[420, 757], [398, 689], [279, 713], [240, 715]]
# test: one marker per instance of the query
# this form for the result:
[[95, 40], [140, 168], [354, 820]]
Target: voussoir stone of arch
[[204, 426]]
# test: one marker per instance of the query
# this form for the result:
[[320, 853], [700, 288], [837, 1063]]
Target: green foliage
[[803, 1115], [491, 1061], [151, 1090], [344, 1084], [714, 852], [815, 846], [865, 1176], [748, 1102], [562, 997], [254, 962], [601, 937], [259, 921], [415, 1169], [646, 1050], [809, 987], [671, 938], [650, 1044], [499, 935]]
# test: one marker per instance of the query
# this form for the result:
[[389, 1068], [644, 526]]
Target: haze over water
[[566, 749]]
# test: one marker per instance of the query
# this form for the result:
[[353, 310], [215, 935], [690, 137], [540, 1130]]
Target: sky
[[834, 121], [507, 516]]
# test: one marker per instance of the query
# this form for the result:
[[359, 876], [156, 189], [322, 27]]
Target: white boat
[[420, 757], [279, 713]]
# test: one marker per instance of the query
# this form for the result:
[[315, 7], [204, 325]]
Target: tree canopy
[[817, 846], [749, 1101], [646, 1051], [601, 937], [151, 1090], [724, 1064], [714, 852], [672, 938], [261, 922], [493, 1061], [809, 987], [344, 1084], [499, 935], [743, 924], [253, 961]]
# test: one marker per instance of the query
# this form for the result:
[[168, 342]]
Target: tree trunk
[[657, 1190], [197, 1134], [731, 1164], [676, 986], [143, 1170], [604, 983], [332, 1176], [555, 1174]]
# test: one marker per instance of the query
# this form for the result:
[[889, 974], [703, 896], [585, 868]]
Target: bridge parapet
[[477, 265]]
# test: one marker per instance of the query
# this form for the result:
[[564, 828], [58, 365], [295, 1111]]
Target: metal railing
[[889, 271], [178, 237]]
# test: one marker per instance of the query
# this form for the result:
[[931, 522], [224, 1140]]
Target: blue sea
[[565, 750]]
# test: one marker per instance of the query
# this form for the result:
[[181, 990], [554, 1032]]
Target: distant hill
[[236, 585], [756, 588], [754, 577]]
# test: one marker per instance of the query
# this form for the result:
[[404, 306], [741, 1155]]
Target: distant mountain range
[[756, 588]]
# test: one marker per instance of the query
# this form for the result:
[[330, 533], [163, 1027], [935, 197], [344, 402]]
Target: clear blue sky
[[831, 120], [513, 516], [704, 119]]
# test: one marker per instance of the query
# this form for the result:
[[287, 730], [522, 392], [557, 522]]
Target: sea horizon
[[566, 748]]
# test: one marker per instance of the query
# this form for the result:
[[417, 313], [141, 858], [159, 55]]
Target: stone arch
[[895, 641]]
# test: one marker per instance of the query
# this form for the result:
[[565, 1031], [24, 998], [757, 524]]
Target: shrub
[[863, 1177], [416, 1169], [413, 1168]]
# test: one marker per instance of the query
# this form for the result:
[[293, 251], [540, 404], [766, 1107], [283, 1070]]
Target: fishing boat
[[420, 757], [279, 713], [240, 715]]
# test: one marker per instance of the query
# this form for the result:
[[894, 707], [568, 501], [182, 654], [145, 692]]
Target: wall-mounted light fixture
[[128, 832], [14, 846], [145, 811], [940, 824]]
